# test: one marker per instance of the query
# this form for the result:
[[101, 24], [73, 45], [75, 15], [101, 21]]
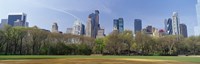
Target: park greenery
[[35, 41]]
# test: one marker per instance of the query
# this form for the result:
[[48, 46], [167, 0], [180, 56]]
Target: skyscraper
[[183, 30], [16, 16], [55, 28], [78, 28], [168, 26], [93, 24], [115, 24], [137, 25], [121, 25], [118, 24], [175, 24], [197, 28]]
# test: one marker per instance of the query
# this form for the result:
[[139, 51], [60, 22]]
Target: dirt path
[[90, 61]]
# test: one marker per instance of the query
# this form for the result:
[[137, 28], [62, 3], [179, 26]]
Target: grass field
[[46, 59]]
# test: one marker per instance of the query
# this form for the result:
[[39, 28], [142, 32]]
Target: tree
[[128, 39], [99, 46], [37, 37]]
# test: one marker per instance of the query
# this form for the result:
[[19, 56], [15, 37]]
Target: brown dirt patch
[[90, 61]]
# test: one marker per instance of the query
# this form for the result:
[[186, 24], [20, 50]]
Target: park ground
[[51, 59]]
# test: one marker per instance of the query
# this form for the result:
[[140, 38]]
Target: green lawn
[[175, 58]]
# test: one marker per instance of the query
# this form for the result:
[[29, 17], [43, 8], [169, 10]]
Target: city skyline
[[66, 12]]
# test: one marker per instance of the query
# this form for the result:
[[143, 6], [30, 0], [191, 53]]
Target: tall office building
[[118, 24], [168, 26], [121, 25], [115, 24], [3, 23], [175, 24], [78, 28], [93, 24], [55, 28], [12, 17], [197, 28], [137, 25], [183, 30]]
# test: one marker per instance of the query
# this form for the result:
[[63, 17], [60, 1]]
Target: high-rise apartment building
[[93, 24], [137, 25], [183, 30]]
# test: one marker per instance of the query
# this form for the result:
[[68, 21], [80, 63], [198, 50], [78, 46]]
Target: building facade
[[101, 33], [121, 25], [93, 24], [83, 29], [197, 28], [183, 30], [175, 24], [18, 23], [115, 24], [78, 28], [168, 26], [137, 25], [54, 28], [118, 25], [12, 17]]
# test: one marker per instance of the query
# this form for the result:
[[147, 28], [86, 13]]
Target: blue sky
[[152, 12]]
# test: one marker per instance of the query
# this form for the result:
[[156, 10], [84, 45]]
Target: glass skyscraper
[[93, 24], [118, 25], [115, 24], [137, 25], [16, 16], [168, 26], [197, 28], [121, 25], [183, 30]]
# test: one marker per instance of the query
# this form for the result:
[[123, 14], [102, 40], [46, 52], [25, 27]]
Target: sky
[[43, 13]]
